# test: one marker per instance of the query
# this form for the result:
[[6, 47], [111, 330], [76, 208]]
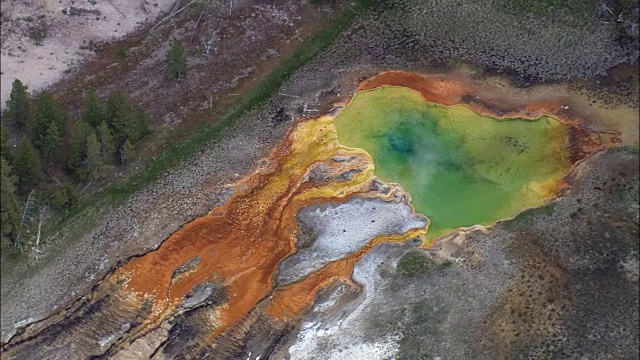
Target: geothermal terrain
[[337, 180]]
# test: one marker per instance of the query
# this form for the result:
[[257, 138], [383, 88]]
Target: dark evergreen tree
[[65, 198], [94, 112], [27, 167], [142, 124], [107, 145], [93, 160], [48, 112], [6, 150], [176, 59], [51, 145], [78, 150], [126, 153], [18, 106], [9, 208], [120, 115]]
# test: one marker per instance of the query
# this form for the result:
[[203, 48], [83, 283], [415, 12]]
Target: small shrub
[[121, 53], [37, 33], [65, 198], [59, 199], [416, 262]]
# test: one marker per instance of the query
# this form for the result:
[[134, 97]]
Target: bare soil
[[42, 40]]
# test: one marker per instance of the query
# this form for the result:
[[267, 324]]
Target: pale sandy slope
[[40, 65]]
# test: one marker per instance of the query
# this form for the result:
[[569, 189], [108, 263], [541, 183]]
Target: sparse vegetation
[[121, 53], [415, 262], [37, 33], [535, 41], [526, 218], [585, 9]]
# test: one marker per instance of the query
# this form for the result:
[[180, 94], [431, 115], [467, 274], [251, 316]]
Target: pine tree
[[48, 112], [51, 145], [142, 124], [18, 106], [93, 160], [107, 145], [5, 147], [94, 112], [27, 167], [65, 198], [59, 200], [176, 59], [126, 153], [9, 208], [120, 115], [78, 150]]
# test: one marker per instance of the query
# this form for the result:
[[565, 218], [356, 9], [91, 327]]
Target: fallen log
[[75, 11]]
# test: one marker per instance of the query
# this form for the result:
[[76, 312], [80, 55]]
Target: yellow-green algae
[[461, 168]]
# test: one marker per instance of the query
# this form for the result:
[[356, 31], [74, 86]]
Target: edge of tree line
[[40, 142]]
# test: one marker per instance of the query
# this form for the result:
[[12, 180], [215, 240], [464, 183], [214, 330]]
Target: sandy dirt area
[[42, 40]]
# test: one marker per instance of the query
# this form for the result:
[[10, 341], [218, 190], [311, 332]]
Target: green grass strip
[[209, 132], [257, 96]]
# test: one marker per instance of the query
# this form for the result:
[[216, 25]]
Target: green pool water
[[461, 168]]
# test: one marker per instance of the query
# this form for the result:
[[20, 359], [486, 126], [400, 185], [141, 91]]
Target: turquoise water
[[461, 168]]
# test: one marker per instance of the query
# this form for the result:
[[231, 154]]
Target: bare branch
[[175, 6], [173, 14], [39, 232], [117, 8], [197, 22], [283, 94], [207, 45], [27, 206], [305, 109], [86, 186], [607, 8]]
